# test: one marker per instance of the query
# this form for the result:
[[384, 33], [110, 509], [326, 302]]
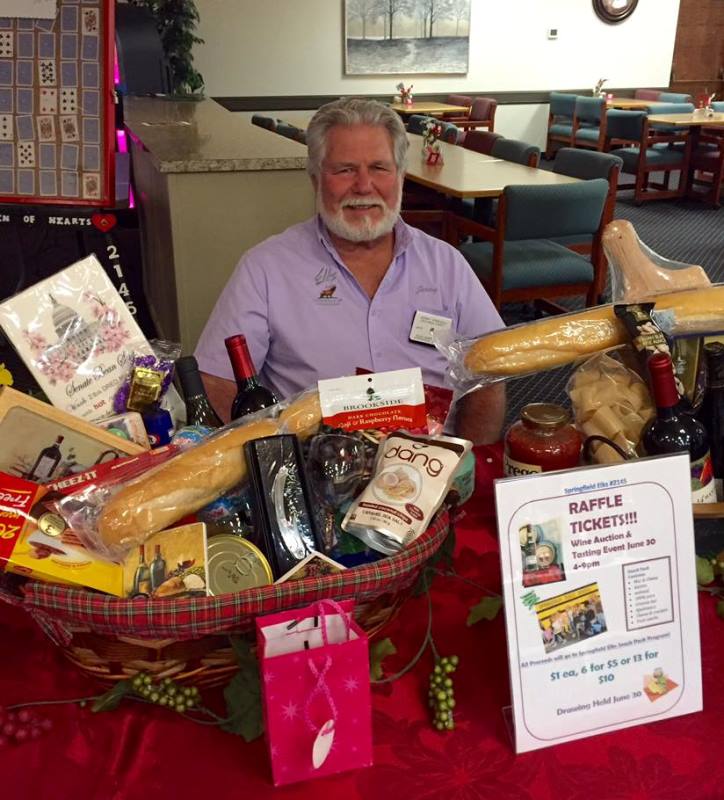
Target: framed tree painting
[[396, 37]]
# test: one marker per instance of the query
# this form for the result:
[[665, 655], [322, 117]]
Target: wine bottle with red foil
[[199, 410], [673, 431], [251, 396]]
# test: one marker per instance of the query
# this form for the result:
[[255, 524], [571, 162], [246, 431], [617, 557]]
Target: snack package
[[384, 401], [646, 336], [114, 517], [437, 405], [566, 338], [149, 378], [637, 273], [412, 477], [612, 403]]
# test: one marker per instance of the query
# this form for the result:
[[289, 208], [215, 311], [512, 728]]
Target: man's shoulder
[[298, 240], [435, 254], [425, 244]]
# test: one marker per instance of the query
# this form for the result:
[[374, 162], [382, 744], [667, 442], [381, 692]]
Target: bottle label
[[703, 488], [45, 467], [514, 468]]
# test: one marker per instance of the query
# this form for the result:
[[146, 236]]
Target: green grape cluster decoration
[[165, 692], [441, 696]]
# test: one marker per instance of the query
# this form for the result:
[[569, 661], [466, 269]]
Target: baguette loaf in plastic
[[192, 479], [555, 341]]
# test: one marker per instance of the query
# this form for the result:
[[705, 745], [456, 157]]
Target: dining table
[[136, 751], [467, 173], [695, 121], [429, 108], [632, 103]]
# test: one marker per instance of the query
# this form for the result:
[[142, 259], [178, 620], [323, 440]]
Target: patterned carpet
[[685, 231]]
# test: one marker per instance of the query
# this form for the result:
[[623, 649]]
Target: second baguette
[[555, 341]]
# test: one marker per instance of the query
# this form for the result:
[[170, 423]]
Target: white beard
[[366, 230]]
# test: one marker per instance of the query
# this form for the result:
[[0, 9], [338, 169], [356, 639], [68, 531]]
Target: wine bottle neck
[[191, 384], [663, 385], [241, 363], [666, 412]]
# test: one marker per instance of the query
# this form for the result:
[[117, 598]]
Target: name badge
[[424, 325]]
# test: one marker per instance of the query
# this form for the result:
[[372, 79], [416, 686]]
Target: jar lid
[[547, 416]]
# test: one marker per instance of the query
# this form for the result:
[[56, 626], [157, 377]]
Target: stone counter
[[210, 185], [202, 136]]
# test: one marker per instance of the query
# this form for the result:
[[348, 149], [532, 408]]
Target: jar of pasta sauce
[[542, 440]]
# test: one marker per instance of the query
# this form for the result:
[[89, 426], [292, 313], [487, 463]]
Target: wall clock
[[614, 10]]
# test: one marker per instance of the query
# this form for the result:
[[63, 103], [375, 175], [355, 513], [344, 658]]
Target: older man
[[343, 289]]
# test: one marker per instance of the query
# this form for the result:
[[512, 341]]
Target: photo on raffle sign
[[657, 684], [541, 552], [571, 617]]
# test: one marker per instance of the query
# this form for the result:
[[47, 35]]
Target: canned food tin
[[236, 564]]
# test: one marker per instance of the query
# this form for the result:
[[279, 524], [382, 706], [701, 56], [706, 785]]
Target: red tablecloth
[[140, 752]]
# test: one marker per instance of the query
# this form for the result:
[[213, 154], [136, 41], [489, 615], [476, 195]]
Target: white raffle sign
[[600, 597]]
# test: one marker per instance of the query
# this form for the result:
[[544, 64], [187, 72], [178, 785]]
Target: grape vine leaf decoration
[[487, 608], [112, 698], [378, 653], [243, 695], [704, 571]]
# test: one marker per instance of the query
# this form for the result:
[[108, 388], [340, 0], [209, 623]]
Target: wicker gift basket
[[110, 638]]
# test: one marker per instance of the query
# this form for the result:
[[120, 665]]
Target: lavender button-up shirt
[[306, 317]]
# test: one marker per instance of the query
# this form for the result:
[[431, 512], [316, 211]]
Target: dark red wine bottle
[[251, 396], [199, 410], [673, 431]]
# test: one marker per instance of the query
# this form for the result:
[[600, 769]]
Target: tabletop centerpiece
[[405, 93], [431, 151]]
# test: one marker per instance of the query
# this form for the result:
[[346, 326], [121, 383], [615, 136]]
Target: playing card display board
[[56, 106]]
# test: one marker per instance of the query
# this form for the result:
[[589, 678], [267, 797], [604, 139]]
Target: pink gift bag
[[314, 666]]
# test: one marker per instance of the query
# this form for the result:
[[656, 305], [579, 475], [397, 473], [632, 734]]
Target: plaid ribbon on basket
[[188, 619]]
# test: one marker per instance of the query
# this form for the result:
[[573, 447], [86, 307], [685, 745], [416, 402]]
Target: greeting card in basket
[[316, 691], [77, 337]]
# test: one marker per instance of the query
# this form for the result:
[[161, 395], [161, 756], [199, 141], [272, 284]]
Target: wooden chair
[[589, 165], [517, 261], [647, 150], [646, 94], [674, 97], [459, 100], [517, 151], [417, 122], [589, 123], [707, 168], [481, 115], [560, 121], [480, 141]]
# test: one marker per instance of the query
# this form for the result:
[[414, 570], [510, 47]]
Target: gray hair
[[350, 111]]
